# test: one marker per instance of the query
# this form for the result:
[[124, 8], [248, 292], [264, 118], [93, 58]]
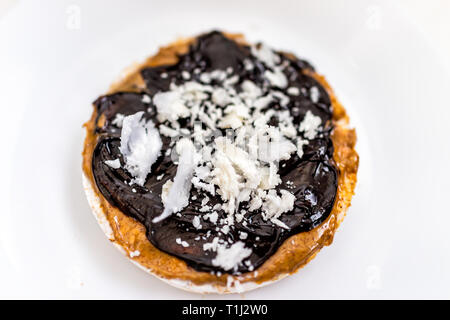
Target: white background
[[388, 63]]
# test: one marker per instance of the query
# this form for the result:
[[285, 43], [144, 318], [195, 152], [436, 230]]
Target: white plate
[[57, 57]]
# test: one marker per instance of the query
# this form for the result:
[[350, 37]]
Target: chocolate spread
[[312, 179]]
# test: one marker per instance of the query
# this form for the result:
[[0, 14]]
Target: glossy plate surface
[[56, 57]]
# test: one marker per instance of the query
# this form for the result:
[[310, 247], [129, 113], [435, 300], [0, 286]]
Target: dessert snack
[[220, 166]]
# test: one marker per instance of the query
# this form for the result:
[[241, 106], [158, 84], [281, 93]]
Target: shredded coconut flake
[[226, 179], [140, 145], [273, 146], [275, 205], [230, 257], [170, 106], [146, 99], [310, 125], [165, 190], [178, 195], [213, 216], [276, 78], [300, 143], [240, 160], [118, 120], [314, 94], [181, 242], [265, 54], [196, 222], [115, 164], [243, 235], [293, 91]]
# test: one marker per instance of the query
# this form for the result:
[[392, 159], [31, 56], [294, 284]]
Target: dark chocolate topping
[[312, 179]]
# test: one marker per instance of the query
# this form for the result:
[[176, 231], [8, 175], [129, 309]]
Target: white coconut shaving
[[140, 145], [314, 93], [227, 180], [310, 125], [241, 160], [273, 146], [230, 257], [178, 195], [275, 205], [170, 106], [115, 164], [265, 54]]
